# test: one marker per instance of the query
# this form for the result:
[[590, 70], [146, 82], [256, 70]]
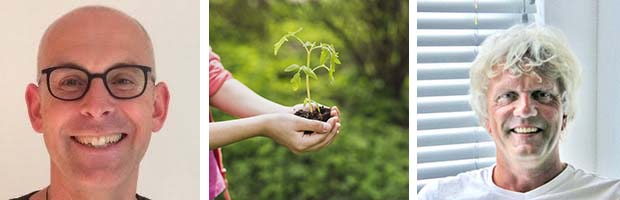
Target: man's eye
[[71, 82], [543, 96], [509, 95], [506, 98], [122, 82]]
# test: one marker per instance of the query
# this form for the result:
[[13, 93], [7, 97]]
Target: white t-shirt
[[570, 184]]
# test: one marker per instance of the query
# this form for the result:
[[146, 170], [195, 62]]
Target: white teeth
[[525, 130], [99, 142]]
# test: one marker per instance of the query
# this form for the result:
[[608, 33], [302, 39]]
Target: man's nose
[[97, 102], [525, 108]]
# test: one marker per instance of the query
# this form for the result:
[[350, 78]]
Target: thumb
[[314, 125]]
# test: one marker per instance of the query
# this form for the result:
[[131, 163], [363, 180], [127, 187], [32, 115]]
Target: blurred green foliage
[[369, 160]]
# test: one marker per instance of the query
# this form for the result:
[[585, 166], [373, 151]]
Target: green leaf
[[279, 44], [295, 81], [324, 53], [309, 72], [291, 68]]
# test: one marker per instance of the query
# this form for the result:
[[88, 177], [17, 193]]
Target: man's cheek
[[141, 118]]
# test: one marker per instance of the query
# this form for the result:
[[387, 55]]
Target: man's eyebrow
[[545, 89], [67, 64], [72, 64], [504, 89], [501, 90], [126, 61]]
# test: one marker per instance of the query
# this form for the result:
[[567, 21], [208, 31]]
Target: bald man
[[96, 104]]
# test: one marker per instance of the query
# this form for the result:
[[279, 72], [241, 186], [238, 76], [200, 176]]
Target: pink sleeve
[[217, 74]]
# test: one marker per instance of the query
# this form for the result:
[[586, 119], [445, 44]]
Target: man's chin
[[528, 154], [101, 178], [88, 174]]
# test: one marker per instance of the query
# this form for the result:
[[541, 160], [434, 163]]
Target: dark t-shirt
[[27, 197]]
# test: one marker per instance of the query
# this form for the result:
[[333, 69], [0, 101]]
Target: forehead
[[526, 82], [96, 40]]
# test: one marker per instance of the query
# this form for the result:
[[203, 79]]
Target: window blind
[[450, 140]]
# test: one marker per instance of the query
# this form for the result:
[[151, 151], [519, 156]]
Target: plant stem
[[308, 86], [307, 77]]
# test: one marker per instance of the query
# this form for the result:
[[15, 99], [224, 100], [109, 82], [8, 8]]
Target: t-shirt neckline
[[563, 177]]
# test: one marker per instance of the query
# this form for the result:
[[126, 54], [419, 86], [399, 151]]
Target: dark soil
[[322, 116]]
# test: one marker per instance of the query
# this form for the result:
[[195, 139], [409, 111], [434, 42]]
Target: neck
[[524, 176], [61, 187]]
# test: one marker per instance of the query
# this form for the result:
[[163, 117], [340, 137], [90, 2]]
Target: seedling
[[309, 72]]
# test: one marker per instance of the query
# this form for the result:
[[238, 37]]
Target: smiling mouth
[[99, 141], [532, 130]]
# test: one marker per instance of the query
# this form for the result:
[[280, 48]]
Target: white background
[[170, 169], [592, 28]]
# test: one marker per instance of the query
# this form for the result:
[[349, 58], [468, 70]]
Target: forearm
[[228, 132], [238, 100]]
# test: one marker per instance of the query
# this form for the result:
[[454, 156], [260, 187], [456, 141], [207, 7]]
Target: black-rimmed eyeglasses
[[70, 82]]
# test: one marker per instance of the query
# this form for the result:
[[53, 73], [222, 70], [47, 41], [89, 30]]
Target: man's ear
[[488, 127], [564, 119], [33, 102], [160, 105]]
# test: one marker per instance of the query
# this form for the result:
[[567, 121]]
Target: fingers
[[306, 142], [337, 133], [335, 111], [295, 108], [330, 137], [334, 121], [313, 125], [324, 132]]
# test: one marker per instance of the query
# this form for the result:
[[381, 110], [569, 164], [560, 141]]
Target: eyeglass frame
[[91, 76]]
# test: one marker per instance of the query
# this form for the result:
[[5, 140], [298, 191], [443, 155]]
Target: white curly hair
[[525, 49]]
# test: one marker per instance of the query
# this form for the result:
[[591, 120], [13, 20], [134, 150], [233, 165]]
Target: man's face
[[525, 116], [97, 140]]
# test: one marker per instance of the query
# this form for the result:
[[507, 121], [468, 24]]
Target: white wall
[[592, 28], [577, 20], [608, 109], [170, 169]]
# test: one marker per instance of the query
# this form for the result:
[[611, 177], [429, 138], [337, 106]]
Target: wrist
[[263, 123]]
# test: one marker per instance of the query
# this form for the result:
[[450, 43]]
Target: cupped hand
[[288, 130]]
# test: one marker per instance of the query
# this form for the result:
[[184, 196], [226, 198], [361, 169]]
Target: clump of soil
[[321, 116]]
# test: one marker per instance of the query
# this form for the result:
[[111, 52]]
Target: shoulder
[[459, 186], [587, 182], [138, 197], [586, 177], [25, 197]]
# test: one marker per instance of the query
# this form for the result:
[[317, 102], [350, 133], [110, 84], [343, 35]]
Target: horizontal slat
[[446, 54], [433, 71], [446, 120], [438, 20], [443, 104], [451, 168], [493, 6], [455, 37], [449, 136], [455, 152], [443, 87]]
